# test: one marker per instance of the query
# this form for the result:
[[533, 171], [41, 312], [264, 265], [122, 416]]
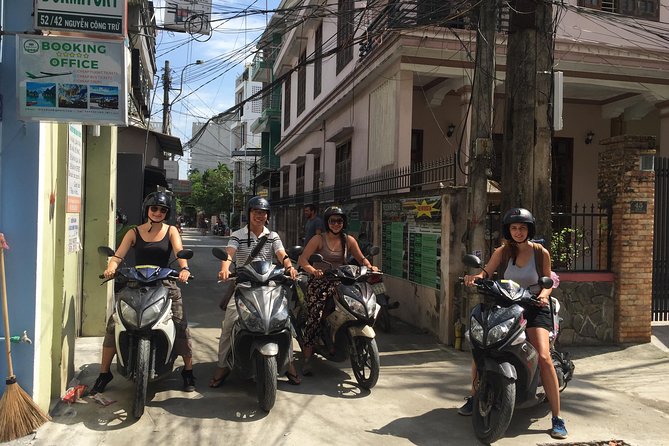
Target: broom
[[19, 415]]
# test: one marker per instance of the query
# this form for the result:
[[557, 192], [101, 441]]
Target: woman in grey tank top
[[518, 228], [334, 245]]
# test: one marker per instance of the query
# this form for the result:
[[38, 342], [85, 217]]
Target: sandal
[[306, 368], [101, 383], [218, 382], [293, 379]]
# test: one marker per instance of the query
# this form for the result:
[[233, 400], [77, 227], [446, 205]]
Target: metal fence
[[581, 238], [419, 176]]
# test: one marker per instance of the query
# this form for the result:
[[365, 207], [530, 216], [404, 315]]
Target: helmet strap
[[153, 222]]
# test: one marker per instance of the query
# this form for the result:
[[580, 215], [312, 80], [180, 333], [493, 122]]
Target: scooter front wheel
[[141, 376], [365, 361], [494, 402], [266, 372]]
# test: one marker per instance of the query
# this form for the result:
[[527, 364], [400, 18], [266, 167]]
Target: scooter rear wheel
[[266, 372], [141, 376], [493, 407]]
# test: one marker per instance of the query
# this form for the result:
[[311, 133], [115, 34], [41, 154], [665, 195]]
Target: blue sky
[[207, 89]]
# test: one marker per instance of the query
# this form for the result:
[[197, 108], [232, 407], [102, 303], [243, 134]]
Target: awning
[[169, 143], [154, 176]]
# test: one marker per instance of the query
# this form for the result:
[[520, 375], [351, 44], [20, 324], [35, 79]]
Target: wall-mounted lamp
[[588, 137], [451, 129]]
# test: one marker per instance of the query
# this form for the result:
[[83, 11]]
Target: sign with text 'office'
[[68, 79]]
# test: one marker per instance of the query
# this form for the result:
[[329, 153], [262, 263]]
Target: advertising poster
[[188, 16], [68, 79], [74, 166], [86, 16], [412, 240], [73, 244]]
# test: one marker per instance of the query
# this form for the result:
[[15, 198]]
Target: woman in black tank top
[[334, 245], [153, 243]]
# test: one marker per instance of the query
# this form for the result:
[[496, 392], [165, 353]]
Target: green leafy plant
[[567, 245]]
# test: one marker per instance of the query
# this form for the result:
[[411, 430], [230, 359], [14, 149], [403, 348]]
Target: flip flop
[[218, 382], [293, 379]]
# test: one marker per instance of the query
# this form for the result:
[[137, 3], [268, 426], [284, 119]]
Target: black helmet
[[518, 215], [257, 203], [333, 210], [157, 199]]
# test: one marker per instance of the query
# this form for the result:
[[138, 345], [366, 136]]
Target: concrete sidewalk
[[618, 393]]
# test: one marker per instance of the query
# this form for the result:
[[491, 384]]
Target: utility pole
[[167, 81], [481, 150], [526, 177]]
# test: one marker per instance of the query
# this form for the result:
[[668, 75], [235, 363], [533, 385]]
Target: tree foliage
[[211, 190]]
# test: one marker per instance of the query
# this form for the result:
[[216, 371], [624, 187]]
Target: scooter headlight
[[499, 331], [371, 304], [152, 313], [128, 314], [279, 316], [355, 306], [249, 317], [476, 331]]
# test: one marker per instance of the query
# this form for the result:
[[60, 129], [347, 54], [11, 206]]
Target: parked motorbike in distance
[[506, 363], [261, 338], [144, 330], [346, 327]]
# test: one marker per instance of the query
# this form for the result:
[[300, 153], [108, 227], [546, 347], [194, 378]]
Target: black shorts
[[539, 317]]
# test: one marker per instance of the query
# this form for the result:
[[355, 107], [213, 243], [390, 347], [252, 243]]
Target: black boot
[[101, 383], [189, 380]]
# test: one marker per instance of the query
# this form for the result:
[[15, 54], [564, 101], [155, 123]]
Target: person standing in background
[[313, 225]]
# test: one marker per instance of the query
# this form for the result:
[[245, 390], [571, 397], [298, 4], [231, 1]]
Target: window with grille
[[317, 173], [286, 103], [240, 99], [256, 104], [645, 9], [343, 171], [242, 134], [318, 60], [286, 177], [299, 180], [344, 34], [301, 83]]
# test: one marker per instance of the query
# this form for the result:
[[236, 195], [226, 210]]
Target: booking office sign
[[69, 79]]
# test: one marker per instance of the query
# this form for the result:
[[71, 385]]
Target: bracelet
[[289, 267], [185, 268], [120, 258]]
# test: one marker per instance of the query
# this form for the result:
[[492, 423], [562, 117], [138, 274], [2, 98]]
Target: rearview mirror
[[546, 283], [315, 258], [472, 261], [219, 253], [185, 254], [105, 251], [374, 250]]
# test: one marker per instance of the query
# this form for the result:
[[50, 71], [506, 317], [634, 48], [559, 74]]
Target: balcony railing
[[410, 14], [426, 175]]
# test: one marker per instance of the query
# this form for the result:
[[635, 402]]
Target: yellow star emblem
[[424, 209]]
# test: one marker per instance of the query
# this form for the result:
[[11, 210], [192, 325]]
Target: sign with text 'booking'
[[86, 16], [69, 79]]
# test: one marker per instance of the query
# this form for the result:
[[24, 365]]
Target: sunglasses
[[336, 221], [160, 209]]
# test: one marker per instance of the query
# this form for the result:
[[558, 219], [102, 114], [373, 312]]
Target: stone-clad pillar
[[630, 193]]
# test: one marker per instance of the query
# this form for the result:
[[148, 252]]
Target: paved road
[[618, 393]]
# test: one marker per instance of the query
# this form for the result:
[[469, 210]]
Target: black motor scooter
[[144, 330], [507, 364]]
